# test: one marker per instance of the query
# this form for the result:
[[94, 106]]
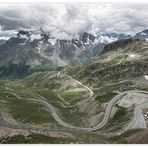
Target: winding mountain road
[[52, 110], [69, 127], [108, 111], [90, 91]]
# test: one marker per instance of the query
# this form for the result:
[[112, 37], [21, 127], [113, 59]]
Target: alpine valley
[[89, 88]]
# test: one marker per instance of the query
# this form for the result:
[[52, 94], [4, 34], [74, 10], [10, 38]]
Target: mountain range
[[93, 88], [37, 49]]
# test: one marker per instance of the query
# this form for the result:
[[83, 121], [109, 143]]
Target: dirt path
[[90, 91]]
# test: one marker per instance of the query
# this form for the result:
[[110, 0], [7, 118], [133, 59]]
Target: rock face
[[86, 37], [142, 35], [2, 41], [121, 60], [22, 34], [39, 49]]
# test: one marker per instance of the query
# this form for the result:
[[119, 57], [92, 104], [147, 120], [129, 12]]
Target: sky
[[68, 20]]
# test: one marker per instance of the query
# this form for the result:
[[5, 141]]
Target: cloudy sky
[[64, 20]]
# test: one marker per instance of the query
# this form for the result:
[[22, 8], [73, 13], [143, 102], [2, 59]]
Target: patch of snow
[[86, 43], [23, 36], [35, 36], [82, 45], [59, 44], [133, 56], [146, 77], [75, 46], [41, 42], [22, 43], [142, 33], [39, 50], [35, 63], [88, 40], [52, 41], [106, 39], [4, 38], [96, 41]]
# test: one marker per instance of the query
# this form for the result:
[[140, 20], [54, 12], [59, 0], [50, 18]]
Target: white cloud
[[64, 20]]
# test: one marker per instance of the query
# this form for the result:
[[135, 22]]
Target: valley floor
[[26, 111]]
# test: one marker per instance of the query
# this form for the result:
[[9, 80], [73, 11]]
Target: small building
[[145, 114]]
